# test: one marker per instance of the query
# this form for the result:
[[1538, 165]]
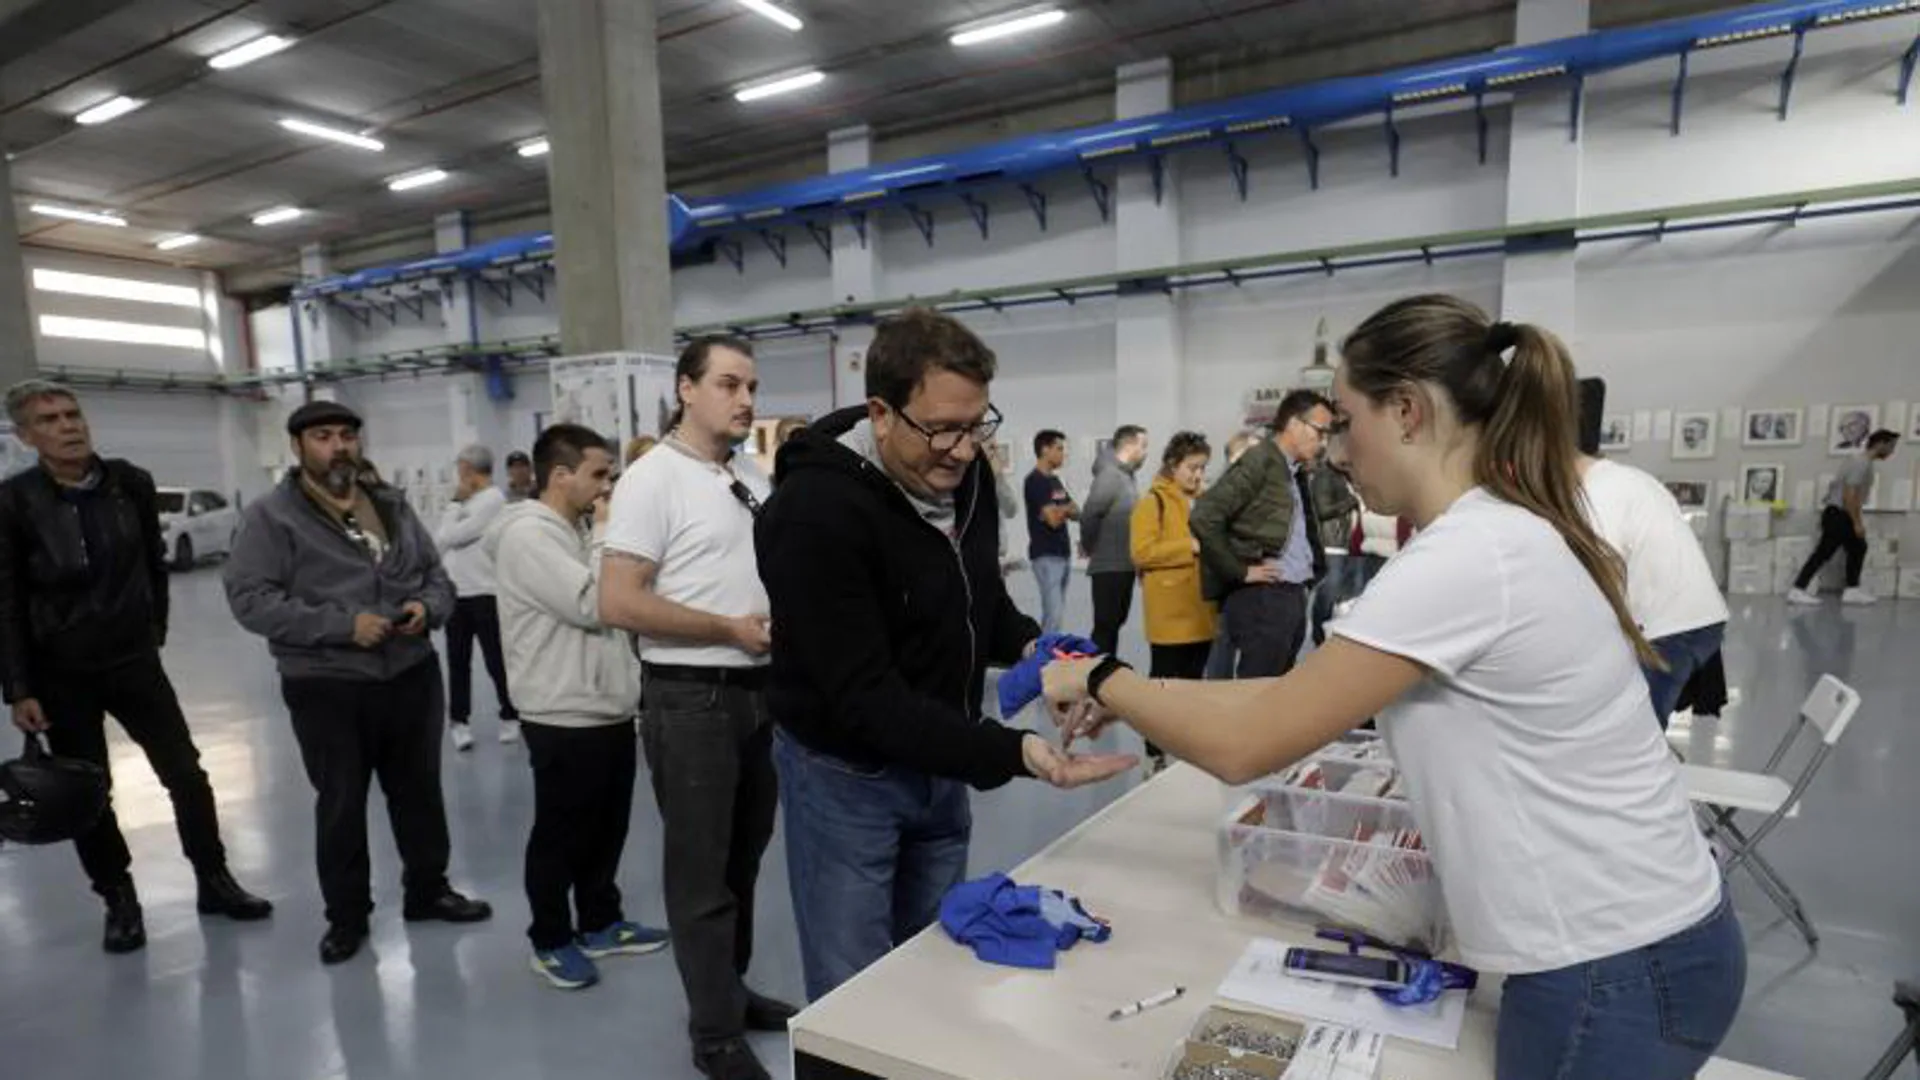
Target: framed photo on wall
[[1763, 483], [1851, 425], [1695, 435], [1690, 494], [1616, 433], [1773, 427]]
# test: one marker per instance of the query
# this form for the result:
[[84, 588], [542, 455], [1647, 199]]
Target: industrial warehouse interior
[[849, 431]]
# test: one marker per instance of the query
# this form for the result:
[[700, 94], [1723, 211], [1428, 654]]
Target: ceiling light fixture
[[536, 148], [1017, 24], [423, 178], [174, 243], [780, 15], [244, 54], [277, 215], [72, 213], [786, 84], [110, 109], [321, 131]]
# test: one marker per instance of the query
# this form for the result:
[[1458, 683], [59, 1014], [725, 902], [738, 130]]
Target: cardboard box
[[1750, 555], [1783, 575], [1748, 522], [1881, 583], [1792, 550], [1750, 581], [1909, 585]]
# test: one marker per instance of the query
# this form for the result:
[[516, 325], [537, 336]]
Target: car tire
[[183, 554]]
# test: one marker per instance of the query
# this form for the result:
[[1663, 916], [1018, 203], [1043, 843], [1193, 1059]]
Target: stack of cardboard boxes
[[1760, 564], [1750, 550]]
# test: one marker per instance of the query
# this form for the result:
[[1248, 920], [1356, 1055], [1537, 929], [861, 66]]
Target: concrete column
[[16, 321], [1543, 180], [856, 270], [313, 322], [599, 75], [1147, 337]]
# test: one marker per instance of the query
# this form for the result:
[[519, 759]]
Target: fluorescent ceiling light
[[786, 85], [536, 148], [74, 214], [110, 109], [320, 131], [423, 178], [174, 243], [242, 55], [277, 215], [785, 18], [113, 288], [1018, 24], [126, 333]]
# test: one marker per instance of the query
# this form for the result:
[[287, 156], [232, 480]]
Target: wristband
[[1103, 671]]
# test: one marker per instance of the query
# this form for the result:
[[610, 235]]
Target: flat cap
[[316, 413]]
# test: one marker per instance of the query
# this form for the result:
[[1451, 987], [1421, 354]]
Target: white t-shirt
[[1544, 788], [1670, 587], [678, 511]]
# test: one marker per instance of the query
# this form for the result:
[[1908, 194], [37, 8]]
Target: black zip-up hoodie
[[883, 627]]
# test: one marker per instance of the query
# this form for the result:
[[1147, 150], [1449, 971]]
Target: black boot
[[221, 895], [126, 930]]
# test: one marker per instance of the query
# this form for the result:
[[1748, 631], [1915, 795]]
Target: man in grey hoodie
[[1106, 532], [345, 584]]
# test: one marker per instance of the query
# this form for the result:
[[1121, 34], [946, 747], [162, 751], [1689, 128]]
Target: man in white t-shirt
[[1670, 587], [680, 574], [476, 505]]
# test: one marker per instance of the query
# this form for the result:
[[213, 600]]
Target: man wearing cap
[[519, 477], [344, 582]]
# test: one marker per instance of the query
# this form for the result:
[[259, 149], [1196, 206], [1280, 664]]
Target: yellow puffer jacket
[[1169, 568]]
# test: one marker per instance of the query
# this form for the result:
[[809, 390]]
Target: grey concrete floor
[[219, 1001]]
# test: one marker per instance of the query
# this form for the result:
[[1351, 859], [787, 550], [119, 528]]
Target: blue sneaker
[[565, 967], [623, 939]]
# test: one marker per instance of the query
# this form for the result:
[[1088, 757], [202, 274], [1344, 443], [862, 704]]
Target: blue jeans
[[1052, 573], [1655, 1013], [1684, 653], [1347, 577], [870, 854]]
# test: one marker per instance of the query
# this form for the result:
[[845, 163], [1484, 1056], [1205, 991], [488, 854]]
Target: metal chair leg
[[1741, 854], [1908, 1041]]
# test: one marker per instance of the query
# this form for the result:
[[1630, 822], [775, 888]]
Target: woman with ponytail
[[1499, 655]]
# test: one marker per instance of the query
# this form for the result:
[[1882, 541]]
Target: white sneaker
[[1858, 595], [462, 736], [1801, 596], [509, 731]]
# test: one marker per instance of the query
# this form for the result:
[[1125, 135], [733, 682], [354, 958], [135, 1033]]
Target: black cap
[[316, 413], [518, 457]]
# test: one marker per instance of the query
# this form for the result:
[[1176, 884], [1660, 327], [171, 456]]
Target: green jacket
[[1246, 517]]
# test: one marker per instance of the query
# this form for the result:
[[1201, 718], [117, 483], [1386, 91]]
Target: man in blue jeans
[[880, 555], [1049, 508]]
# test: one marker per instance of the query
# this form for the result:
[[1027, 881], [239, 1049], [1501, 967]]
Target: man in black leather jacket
[[83, 613]]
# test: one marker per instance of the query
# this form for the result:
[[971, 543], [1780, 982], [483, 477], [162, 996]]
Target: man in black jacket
[[83, 613], [880, 555]]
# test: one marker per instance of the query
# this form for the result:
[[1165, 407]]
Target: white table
[[930, 1011]]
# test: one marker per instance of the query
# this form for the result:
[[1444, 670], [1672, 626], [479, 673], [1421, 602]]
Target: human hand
[[415, 622], [753, 634], [1263, 574], [1074, 712], [29, 717], [1066, 771], [370, 630]]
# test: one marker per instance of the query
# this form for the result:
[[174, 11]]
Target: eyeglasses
[[947, 440]]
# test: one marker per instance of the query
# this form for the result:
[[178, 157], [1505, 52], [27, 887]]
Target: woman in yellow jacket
[[1179, 622]]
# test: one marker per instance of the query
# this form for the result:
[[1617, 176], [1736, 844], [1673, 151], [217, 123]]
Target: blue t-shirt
[[1044, 540]]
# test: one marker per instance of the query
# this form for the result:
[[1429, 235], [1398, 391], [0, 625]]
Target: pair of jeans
[[1684, 653], [138, 695], [475, 618], [1187, 661], [870, 853], [1051, 573], [1654, 1013], [582, 798], [1268, 624], [349, 733], [1112, 603], [709, 747], [1222, 657], [1836, 534], [1347, 577]]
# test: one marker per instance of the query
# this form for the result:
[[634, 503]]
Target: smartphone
[[1372, 971]]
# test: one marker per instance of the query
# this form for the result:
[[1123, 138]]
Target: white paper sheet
[[1260, 979], [1663, 425], [1803, 495], [1895, 416], [1818, 417], [1643, 425], [1730, 420], [1726, 490]]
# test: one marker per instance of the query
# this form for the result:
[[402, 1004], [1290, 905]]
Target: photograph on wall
[[1695, 435], [1616, 433], [1763, 483], [1690, 494], [1773, 427], [1850, 428]]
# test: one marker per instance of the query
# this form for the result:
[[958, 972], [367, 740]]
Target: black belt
[[747, 678]]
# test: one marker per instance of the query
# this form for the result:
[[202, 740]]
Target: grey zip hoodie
[[1106, 521]]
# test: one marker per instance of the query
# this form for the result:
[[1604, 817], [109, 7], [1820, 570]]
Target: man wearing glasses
[[880, 554], [344, 582], [1257, 551]]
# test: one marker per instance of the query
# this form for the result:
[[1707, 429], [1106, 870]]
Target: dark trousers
[[1836, 534], [1112, 603], [349, 733], [582, 797], [709, 748], [1268, 624], [475, 617], [138, 695], [1179, 662], [1685, 653]]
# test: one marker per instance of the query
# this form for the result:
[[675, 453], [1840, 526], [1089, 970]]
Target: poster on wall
[[1773, 427], [1763, 483], [1851, 425], [1690, 494], [1695, 435], [1616, 433]]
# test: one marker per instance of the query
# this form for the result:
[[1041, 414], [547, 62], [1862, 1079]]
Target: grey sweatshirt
[[1106, 521], [297, 579]]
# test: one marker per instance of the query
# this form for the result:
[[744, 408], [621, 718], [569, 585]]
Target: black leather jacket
[[59, 614]]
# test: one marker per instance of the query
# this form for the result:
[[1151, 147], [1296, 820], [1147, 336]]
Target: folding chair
[[1721, 793], [1907, 996]]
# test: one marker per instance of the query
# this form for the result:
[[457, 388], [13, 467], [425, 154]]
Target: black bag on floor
[[49, 799]]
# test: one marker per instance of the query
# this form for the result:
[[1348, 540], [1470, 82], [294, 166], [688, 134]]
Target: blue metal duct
[[910, 184]]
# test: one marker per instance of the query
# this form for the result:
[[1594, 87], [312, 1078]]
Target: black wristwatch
[[1103, 671]]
